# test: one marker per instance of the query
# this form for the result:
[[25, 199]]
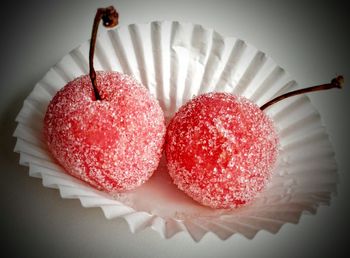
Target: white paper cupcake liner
[[176, 61]]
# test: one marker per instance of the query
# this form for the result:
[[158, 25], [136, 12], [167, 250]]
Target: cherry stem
[[337, 82], [109, 17]]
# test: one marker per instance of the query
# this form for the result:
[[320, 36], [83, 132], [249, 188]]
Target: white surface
[[308, 41]]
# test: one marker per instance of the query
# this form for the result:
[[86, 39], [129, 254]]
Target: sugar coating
[[221, 149], [114, 144]]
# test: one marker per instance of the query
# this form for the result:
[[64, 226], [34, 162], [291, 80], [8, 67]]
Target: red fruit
[[115, 143], [221, 149]]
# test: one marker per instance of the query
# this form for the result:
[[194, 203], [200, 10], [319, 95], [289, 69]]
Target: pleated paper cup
[[177, 61]]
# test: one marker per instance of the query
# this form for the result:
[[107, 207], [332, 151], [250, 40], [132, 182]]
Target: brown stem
[[109, 17], [337, 82]]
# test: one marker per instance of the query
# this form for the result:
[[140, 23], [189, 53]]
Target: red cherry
[[104, 128], [221, 148], [113, 144]]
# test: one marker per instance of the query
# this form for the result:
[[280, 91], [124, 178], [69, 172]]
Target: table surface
[[311, 41]]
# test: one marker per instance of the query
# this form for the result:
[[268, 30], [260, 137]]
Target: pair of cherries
[[107, 130]]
